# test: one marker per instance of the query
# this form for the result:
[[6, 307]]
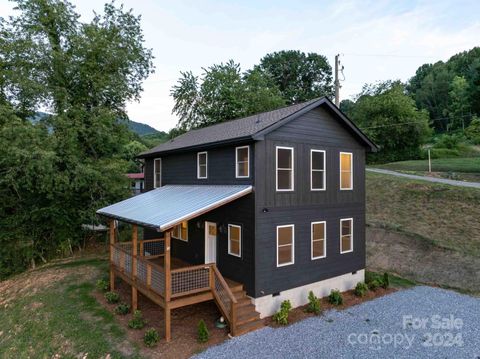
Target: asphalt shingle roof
[[242, 127]]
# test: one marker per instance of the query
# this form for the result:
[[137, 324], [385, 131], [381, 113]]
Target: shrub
[[335, 297], [386, 280], [375, 284], [473, 131], [281, 317], [203, 333], [313, 304], [102, 285], [151, 337], [137, 321], [112, 297], [361, 289], [122, 309]]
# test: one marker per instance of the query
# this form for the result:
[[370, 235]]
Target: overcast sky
[[378, 40]]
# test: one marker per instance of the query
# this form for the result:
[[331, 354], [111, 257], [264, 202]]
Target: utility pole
[[337, 81]]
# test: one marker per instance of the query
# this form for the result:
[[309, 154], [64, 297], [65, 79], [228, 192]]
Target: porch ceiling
[[164, 207]]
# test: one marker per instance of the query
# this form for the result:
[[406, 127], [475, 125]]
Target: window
[[317, 168], [242, 158], [157, 169], [285, 245], [202, 165], [319, 240], [284, 168], [235, 240], [346, 235], [346, 171], [180, 231]]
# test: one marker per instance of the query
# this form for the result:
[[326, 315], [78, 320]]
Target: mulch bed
[[349, 300], [184, 321]]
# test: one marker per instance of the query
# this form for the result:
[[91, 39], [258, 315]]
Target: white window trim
[[206, 164], [351, 171], [276, 168], [155, 172], [293, 245], [351, 235], [324, 170], [239, 241], [324, 239], [180, 232], [236, 161]]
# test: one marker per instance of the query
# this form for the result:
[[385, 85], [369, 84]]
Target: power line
[[390, 55]]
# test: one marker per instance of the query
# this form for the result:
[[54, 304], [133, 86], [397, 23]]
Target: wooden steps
[[247, 318]]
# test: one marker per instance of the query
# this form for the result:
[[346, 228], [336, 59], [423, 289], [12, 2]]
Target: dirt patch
[[421, 260], [349, 299], [33, 281], [183, 325]]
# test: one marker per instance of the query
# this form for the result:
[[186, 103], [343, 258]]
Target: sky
[[376, 40]]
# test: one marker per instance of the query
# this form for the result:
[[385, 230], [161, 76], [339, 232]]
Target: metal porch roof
[[164, 207]]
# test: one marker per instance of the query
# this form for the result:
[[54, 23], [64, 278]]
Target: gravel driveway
[[421, 322]]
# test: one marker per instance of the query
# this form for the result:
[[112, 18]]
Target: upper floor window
[[319, 240], [157, 170], [285, 245], [180, 231], [235, 240], [285, 170], [346, 170], [346, 235], [202, 162], [242, 159], [317, 170]]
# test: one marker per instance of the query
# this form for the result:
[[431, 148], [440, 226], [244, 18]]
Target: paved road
[[425, 178], [421, 322]]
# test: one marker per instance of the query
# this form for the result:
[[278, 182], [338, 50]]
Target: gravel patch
[[422, 322]]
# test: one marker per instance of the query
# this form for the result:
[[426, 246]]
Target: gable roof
[[252, 128]]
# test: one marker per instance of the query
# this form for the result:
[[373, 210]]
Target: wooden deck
[[172, 283]]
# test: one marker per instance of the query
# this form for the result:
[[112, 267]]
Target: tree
[[223, 93], [473, 131], [391, 119], [299, 76], [459, 105], [58, 172]]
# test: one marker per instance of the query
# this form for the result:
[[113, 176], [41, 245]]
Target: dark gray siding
[[315, 130], [181, 168]]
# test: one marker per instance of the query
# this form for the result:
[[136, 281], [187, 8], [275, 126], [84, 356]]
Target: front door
[[210, 242]]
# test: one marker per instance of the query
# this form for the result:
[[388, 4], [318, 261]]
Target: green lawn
[[42, 318], [445, 215], [465, 164]]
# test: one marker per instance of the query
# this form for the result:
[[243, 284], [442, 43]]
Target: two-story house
[[274, 202]]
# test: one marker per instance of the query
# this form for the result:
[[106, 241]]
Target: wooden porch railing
[[183, 282]]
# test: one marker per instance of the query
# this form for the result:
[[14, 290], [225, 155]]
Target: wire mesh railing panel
[[158, 280], [126, 246], [156, 248], [116, 256], [142, 271], [222, 293], [190, 280], [128, 263]]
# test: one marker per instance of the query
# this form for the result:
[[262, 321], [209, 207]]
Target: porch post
[[134, 265], [168, 289], [112, 242]]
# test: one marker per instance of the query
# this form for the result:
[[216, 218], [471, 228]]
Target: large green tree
[[222, 93], [56, 173], [390, 118], [299, 76]]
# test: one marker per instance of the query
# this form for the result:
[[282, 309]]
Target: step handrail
[[224, 284]]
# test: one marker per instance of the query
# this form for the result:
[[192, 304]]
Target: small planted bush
[[281, 317], [361, 289], [122, 309], [151, 337], [112, 297], [313, 304], [202, 331], [335, 297], [102, 285], [386, 281], [137, 321], [375, 284]]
